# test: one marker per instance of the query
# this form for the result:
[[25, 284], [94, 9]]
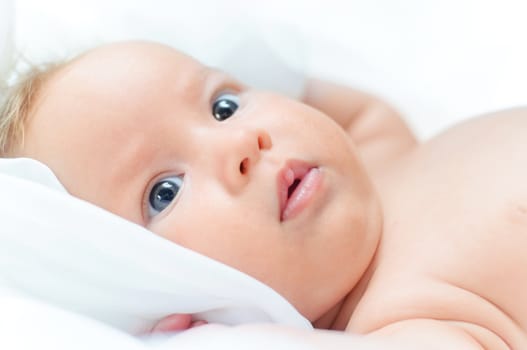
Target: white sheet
[[28, 324], [67, 252]]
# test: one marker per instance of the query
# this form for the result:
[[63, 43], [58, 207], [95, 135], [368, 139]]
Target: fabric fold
[[74, 255]]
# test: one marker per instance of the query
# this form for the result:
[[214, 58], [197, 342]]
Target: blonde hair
[[17, 102]]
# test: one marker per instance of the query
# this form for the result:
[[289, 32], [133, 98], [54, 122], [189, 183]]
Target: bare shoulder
[[456, 232], [377, 129], [496, 125]]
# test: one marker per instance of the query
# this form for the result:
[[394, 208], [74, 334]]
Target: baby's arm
[[377, 130], [436, 334], [408, 335]]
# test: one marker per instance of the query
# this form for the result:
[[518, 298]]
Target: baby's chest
[[472, 230], [471, 273], [457, 249]]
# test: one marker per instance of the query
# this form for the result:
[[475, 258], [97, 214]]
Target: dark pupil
[[223, 109], [162, 194]]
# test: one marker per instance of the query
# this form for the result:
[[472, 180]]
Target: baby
[[331, 202]]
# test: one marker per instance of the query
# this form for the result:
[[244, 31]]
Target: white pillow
[[77, 256]]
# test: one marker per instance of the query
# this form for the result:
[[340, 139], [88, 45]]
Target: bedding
[[67, 252]]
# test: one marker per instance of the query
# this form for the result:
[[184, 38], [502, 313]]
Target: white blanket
[[74, 255]]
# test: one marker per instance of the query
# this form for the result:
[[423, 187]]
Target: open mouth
[[292, 188], [297, 182]]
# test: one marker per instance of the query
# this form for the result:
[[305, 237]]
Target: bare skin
[[422, 244]]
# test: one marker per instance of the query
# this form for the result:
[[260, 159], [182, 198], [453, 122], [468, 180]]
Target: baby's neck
[[337, 318]]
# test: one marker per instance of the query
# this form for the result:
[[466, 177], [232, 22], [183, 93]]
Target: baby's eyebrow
[[193, 87], [206, 82], [215, 78]]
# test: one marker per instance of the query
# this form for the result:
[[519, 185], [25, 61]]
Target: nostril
[[244, 166], [264, 141]]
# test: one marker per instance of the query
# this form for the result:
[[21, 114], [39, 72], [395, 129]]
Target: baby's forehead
[[135, 60], [129, 71], [129, 80], [122, 80], [137, 52]]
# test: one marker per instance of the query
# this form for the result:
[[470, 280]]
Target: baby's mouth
[[292, 188], [297, 181]]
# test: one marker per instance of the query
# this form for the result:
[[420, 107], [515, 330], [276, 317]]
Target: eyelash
[[230, 87], [145, 205]]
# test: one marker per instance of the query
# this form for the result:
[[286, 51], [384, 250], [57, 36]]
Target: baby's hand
[[176, 322]]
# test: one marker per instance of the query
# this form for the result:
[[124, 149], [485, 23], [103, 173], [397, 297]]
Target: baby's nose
[[241, 153]]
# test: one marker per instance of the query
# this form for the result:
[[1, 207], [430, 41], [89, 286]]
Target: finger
[[172, 323], [198, 323]]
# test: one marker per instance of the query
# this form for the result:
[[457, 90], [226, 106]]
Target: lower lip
[[303, 195]]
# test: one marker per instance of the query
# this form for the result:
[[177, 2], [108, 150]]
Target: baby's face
[[262, 183]]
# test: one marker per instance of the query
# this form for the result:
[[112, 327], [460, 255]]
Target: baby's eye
[[225, 106], [163, 193]]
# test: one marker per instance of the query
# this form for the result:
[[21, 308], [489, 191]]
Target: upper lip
[[293, 171]]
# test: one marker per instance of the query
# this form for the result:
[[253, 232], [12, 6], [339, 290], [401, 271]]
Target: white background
[[437, 61]]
